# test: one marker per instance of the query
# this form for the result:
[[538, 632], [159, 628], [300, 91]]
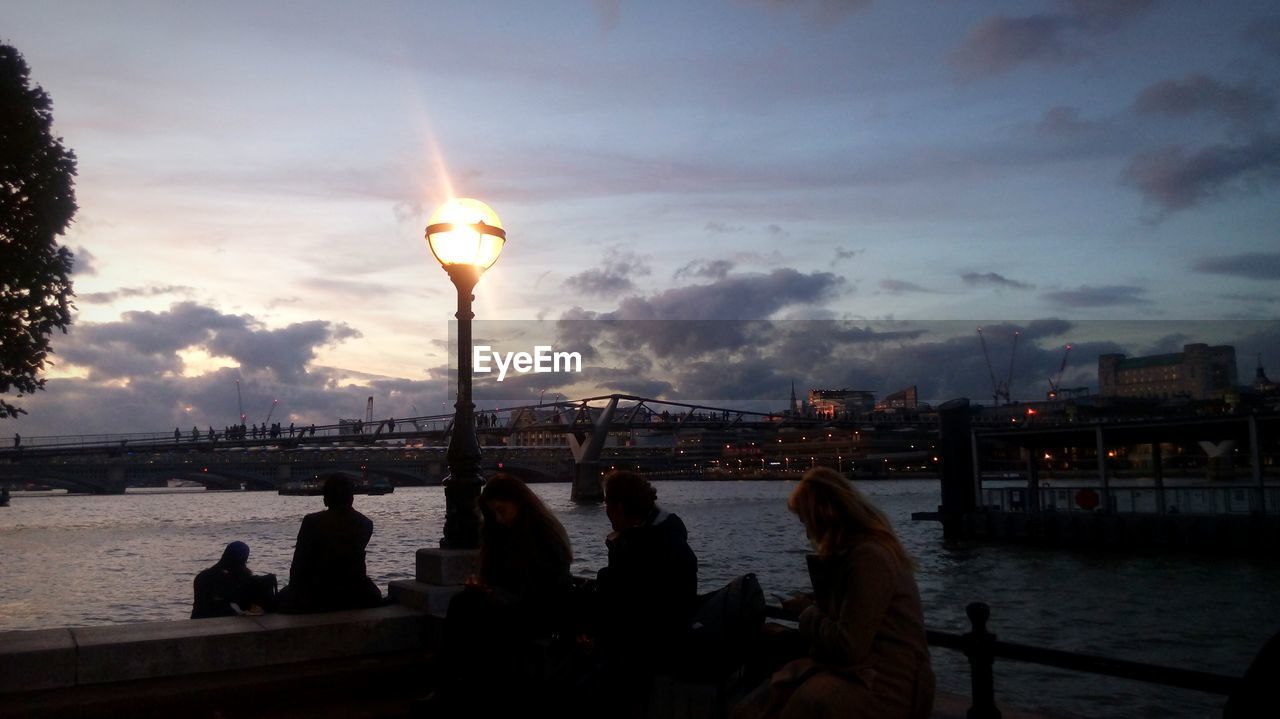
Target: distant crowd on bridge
[[240, 432]]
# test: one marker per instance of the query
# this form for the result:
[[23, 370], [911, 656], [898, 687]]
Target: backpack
[[724, 627]]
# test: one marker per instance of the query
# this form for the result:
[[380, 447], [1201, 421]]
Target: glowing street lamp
[[466, 238]]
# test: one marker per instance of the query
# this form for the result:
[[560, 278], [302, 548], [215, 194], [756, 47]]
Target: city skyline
[[254, 182]]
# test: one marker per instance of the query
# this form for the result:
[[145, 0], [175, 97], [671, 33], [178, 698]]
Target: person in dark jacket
[[645, 597], [227, 583], [328, 569]]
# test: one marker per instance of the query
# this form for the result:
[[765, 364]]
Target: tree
[[37, 202]]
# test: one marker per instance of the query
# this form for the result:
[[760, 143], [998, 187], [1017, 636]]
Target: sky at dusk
[[874, 178]]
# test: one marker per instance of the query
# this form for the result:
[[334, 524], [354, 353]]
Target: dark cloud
[[994, 278], [1176, 178], [1064, 121], [902, 287], [144, 344], [708, 269], [1265, 32], [746, 296], [1251, 265], [84, 262], [1100, 296], [1001, 43], [127, 292], [1196, 93], [613, 277]]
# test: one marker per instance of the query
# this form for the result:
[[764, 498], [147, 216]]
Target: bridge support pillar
[[586, 483], [960, 482], [586, 456], [115, 481], [284, 473]]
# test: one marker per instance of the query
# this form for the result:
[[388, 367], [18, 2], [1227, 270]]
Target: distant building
[[1197, 372], [833, 403], [902, 399]]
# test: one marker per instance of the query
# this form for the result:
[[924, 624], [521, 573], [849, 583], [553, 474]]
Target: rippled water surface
[[84, 560]]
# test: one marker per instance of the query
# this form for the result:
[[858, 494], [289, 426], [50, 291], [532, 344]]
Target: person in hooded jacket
[[227, 583], [645, 597]]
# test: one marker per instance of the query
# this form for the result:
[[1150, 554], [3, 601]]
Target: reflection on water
[[83, 560]]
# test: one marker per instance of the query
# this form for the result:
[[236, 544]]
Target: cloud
[[84, 262], [1064, 121], [721, 228], [1175, 178], [746, 296], [613, 277], [1197, 93], [727, 315], [1265, 33], [127, 292], [144, 344], [901, 287], [1250, 265], [843, 254], [1001, 43], [994, 278], [709, 269], [1101, 296]]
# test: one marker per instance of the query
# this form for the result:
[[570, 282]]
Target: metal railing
[[982, 648]]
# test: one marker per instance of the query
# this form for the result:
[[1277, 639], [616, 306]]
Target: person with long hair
[[864, 627], [524, 552], [519, 596]]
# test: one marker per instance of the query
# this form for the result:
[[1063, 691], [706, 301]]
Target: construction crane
[[239, 402], [270, 412], [1056, 380], [999, 389]]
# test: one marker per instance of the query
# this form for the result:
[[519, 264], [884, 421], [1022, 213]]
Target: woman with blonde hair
[[868, 655]]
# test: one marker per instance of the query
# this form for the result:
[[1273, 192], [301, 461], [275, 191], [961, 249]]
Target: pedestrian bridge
[[556, 441]]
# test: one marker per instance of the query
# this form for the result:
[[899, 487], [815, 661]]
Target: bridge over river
[[559, 441]]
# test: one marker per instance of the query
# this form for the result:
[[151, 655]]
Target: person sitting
[[228, 588], [868, 655], [645, 597], [328, 569], [518, 597]]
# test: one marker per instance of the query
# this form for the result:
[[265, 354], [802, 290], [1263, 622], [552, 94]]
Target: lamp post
[[466, 238]]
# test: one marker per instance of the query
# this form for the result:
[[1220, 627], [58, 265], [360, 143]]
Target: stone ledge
[[303, 637], [424, 597], [61, 658], [39, 659], [157, 649]]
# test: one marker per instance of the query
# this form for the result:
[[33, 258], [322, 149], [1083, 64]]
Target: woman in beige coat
[[868, 656]]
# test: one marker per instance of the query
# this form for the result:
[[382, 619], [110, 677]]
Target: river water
[[87, 560]]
